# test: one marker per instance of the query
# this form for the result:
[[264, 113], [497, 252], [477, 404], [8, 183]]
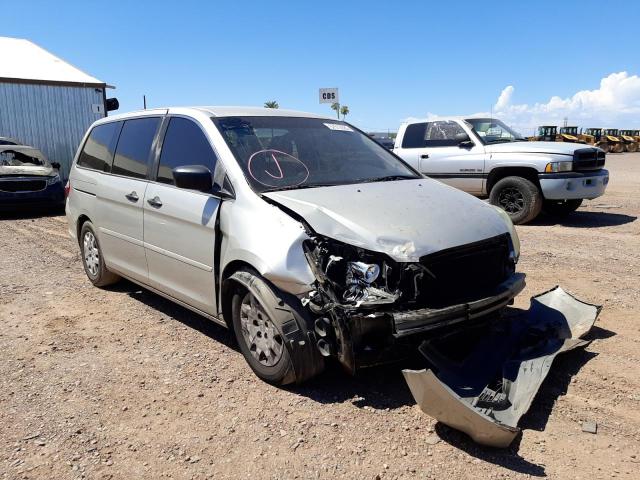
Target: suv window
[[184, 144], [134, 146], [97, 152]]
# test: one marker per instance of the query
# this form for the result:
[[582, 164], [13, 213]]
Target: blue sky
[[391, 60]]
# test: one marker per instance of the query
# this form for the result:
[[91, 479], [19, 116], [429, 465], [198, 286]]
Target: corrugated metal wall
[[50, 118]]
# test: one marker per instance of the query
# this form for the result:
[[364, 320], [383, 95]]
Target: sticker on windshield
[[339, 127]]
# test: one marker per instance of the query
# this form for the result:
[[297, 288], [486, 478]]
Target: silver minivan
[[300, 233]]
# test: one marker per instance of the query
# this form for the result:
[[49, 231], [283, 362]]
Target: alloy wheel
[[511, 200]]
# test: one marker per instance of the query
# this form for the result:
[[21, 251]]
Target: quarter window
[[97, 153], [184, 144], [134, 147]]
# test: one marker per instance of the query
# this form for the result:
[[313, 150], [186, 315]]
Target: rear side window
[[184, 144], [414, 136], [134, 147], [97, 153]]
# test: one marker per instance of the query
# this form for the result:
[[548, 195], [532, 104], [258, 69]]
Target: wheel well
[[499, 173], [81, 220], [228, 288]]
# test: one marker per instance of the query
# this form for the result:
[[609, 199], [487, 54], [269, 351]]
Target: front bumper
[[50, 195], [376, 337], [574, 185], [482, 382]]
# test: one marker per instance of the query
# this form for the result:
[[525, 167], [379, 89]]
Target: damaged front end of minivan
[[368, 306]]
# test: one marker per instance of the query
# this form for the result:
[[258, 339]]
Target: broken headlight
[[515, 240], [358, 279]]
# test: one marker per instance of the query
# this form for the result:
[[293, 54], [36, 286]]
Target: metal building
[[46, 102]]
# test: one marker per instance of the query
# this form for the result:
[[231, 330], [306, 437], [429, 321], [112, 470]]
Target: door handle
[[132, 197], [424, 155], [155, 202]]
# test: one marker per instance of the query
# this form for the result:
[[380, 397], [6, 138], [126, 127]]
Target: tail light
[[67, 188]]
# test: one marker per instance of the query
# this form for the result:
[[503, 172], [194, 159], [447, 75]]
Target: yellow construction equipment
[[569, 134], [546, 133], [631, 140], [596, 137]]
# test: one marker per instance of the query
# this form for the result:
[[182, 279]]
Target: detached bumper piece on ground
[[482, 382]]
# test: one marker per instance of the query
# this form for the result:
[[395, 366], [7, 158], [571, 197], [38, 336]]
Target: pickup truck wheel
[[269, 332], [517, 196], [561, 208]]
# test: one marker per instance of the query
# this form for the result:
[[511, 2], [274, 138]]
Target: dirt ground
[[123, 384]]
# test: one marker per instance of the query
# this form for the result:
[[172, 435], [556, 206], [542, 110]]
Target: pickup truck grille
[[11, 185], [465, 273], [586, 159]]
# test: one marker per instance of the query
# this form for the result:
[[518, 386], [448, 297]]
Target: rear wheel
[[517, 196], [92, 258], [561, 208], [618, 148], [605, 147], [631, 147]]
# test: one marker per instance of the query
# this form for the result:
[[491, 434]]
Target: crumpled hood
[[405, 219], [46, 171], [565, 148]]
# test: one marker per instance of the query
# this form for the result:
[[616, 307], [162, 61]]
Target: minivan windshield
[[491, 130], [284, 153]]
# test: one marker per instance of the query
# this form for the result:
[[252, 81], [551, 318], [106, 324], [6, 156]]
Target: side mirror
[[193, 177], [463, 140], [55, 165]]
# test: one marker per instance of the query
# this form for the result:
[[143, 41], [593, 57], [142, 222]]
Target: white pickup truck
[[484, 157]]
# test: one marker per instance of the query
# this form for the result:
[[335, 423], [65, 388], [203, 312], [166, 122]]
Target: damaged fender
[[485, 391]]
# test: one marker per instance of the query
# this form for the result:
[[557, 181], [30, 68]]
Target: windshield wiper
[[389, 178], [299, 187]]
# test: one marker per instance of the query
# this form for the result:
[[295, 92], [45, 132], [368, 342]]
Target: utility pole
[[144, 102]]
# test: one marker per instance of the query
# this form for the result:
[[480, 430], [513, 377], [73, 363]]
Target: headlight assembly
[[555, 167], [54, 179], [515, 240]]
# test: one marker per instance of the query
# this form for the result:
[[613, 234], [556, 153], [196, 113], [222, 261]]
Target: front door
[[180, 225]]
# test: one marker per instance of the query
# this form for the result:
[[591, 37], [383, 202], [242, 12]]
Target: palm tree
[[344, 110], [271, 104], [336, 107]]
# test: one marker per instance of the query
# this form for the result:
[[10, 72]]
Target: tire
[[605, 147], [561, 208], [92, 258], [618, 148], [519, 197], [259, 317], [631, 147]]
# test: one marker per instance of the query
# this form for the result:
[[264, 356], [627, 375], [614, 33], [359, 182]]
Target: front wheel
[[260, 319], [517, 196], [561, 208]]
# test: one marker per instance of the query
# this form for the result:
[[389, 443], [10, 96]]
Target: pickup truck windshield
[[283, 153], [491, 130]]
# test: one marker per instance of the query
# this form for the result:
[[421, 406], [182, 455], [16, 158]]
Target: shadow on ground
[[585, 219], [176, 312], [25, 213], [384, 387]]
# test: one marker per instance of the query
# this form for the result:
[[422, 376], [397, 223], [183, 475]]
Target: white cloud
[[616, 103], [504, 98]]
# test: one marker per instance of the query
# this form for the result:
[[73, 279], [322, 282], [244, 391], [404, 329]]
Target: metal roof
[[25, 62]]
